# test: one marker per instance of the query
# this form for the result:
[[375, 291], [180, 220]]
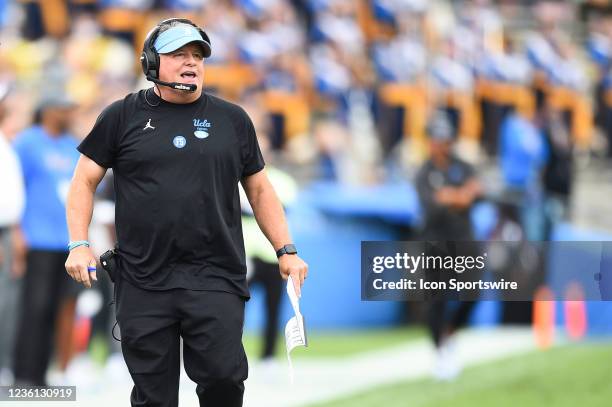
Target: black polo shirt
[[176, 171]]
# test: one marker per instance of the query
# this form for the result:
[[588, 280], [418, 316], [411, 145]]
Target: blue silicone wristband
[[78, 243]]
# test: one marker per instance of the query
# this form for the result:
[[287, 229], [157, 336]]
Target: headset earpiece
[[149, 59]]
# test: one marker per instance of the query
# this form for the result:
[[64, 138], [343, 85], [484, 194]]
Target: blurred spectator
[[551, 52], [11, 208], [523, 154], [332, 139], [402, 59], [400, 62], [48, 157], [125, 19], [44, 18], [559, 170], [338, 56], [503, 86], [262, 257], [447, 186], [224, 25], [447, 189], [599, 47]]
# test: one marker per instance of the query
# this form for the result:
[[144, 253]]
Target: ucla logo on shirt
[[179, 142], [202, 128]]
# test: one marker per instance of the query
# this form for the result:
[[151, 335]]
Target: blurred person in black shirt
[[447, 188]]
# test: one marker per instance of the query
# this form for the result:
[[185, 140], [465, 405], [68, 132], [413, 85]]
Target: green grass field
[[574, 375], [339, 344]]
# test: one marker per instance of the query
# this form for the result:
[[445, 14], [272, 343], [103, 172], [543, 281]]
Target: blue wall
[[331, 297]]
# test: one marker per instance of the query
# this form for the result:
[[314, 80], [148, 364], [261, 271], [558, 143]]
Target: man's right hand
[[78, 261]]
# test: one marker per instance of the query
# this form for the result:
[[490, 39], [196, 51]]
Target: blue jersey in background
[[48, 164]]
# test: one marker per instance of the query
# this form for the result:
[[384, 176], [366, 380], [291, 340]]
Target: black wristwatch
[[286, 249]]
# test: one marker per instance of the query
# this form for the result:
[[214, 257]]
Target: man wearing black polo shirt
[[177, 156]]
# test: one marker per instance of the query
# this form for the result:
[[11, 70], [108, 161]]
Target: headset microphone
[[174, 85]]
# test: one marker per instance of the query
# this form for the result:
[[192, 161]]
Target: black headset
[[149, 59]]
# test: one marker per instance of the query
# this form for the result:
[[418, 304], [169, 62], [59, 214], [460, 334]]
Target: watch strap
[[286, 249]]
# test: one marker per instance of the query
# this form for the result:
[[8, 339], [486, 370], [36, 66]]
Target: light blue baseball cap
[[179, 35]]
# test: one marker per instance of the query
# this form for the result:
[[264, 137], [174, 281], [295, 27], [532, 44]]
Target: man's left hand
[[292, 265]]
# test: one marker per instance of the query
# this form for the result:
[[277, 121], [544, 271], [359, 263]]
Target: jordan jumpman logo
[[148, 126]]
